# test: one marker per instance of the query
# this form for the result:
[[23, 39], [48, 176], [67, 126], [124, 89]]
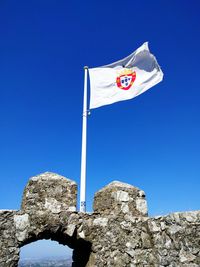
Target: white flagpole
[[84, 143]]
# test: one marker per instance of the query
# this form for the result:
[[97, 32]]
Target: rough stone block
[[118, 197], [50, 192]]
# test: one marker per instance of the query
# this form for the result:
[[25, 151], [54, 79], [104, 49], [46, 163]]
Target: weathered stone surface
[[118, 197], [124, 237], [22, 225], [9, 249], [49, 191]]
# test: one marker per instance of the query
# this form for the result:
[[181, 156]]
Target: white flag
[[124, 79]]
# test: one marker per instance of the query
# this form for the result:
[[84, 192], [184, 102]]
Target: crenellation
[[119, 233]]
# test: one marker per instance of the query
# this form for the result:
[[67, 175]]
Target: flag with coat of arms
[[124, 79]]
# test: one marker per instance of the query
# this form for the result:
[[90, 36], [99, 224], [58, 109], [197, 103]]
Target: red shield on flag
[[126, 79]]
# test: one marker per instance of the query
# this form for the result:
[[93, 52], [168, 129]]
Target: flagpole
[[84, 145]]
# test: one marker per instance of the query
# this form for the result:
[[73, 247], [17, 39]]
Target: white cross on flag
[[124, 79]]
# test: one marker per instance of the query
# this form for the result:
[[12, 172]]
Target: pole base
[[83, 206]]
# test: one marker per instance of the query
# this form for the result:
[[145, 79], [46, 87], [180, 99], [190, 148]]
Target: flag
[[124, 79]]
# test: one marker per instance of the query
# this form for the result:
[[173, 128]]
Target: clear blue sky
[[151, 142]]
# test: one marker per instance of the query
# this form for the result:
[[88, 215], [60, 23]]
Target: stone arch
[[48, 206], [81, 248]]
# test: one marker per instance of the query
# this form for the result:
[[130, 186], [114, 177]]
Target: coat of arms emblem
[[125, 79]]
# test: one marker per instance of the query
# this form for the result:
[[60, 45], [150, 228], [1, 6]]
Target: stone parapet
[[49, 191], [120, 198], [118, 238]]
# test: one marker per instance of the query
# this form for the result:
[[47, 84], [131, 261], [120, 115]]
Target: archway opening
[[78, 256], [44, 253]]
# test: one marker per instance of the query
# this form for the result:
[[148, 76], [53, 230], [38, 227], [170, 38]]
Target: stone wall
[[118, 233]]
